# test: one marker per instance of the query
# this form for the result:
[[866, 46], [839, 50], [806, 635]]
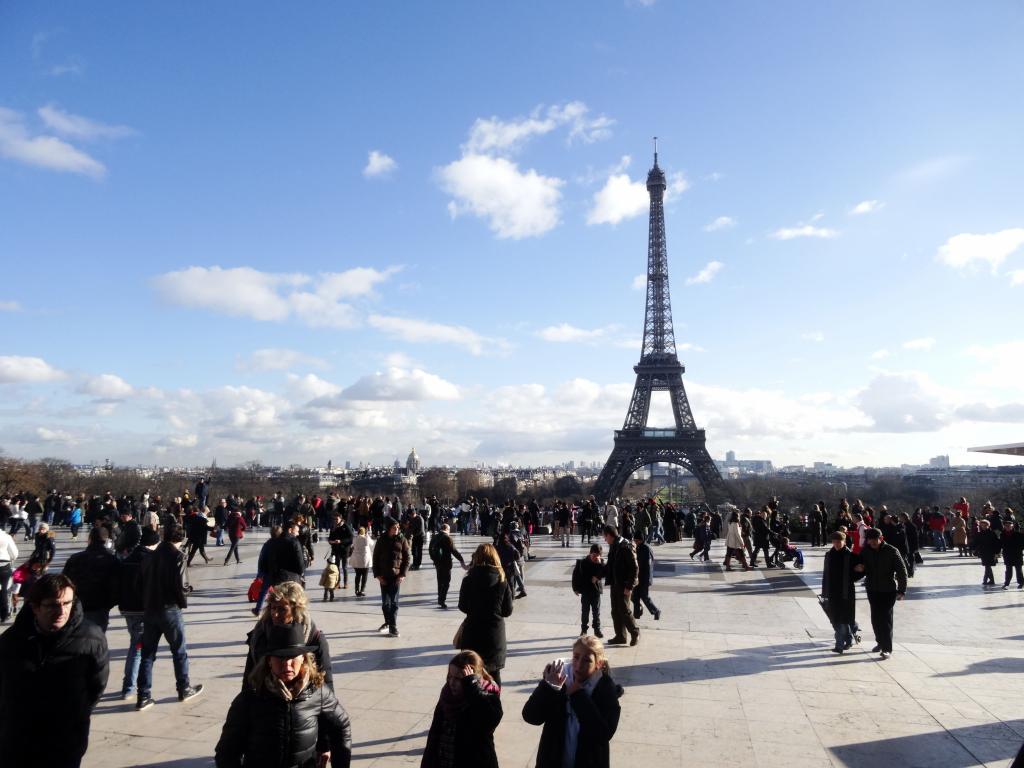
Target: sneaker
[[394, 632], [521, 594], [144, 702], [885, 655], [616, 641], [382, 629], [634, 639], [126, 694], [190, 693]]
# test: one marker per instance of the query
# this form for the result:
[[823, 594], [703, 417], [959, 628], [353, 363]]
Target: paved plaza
[[737, 672]]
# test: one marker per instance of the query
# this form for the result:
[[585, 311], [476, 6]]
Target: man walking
[[93, 571], [645, 577], [837, 591], [53, 669], [163, 596], [885, 582], [8, 554], [341, 538], [417, 533], [621, 577], [442, 550], [1012, 543], [390, 566], [132, 606]]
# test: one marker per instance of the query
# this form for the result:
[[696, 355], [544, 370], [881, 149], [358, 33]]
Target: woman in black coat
[[486, 599], [467, 714], [578, 705], [839, 597], [286, 716]]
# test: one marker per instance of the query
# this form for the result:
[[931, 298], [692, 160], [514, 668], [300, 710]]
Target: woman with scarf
[[286, 715], [465, 718], [288, 605], [578, 705]]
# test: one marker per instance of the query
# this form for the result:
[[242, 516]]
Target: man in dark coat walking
[[885, 574], [442, 551], [53, 670], [1012, 543], [390, 566], [93, 571], [641, 595], [417, 528], [837, 591], [621, 578]]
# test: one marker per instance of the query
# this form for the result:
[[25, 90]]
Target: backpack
[[435, 550], [577, 577]]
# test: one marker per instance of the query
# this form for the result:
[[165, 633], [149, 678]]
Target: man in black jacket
[[587, 581], [340, 538], [645, 577], [132, 606], [442, 550], [390, 566], [1012, 543], [762, 538], [885, 582], [417, 529], [93, 571], [52, 661], [621, 578], [286, 560], [163, 596], [130, 535]]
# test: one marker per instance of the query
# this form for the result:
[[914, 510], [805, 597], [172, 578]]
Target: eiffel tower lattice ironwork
[[659, 369]]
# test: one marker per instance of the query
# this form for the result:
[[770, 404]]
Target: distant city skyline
[[426, 226]]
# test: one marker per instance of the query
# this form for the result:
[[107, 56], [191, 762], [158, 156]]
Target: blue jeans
[[169, 623], [263, 594], [389, 603], [844, 635], [133, 660]]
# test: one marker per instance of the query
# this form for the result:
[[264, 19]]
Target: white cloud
[[622, 198], [566, 333], [379, 164], [804, 230], [619, 199], [903, 402], [399, 384], [965, 249], [309, 387], [815, 336], [516, 203], [420, 331], [48, 435], [10, 306], [261, 360], [31, 370], [496, 136], [18, 143], [639, 282], [998, 365], [247, 292], [722, 222], [925, 343], [866, 206], [76, 127], [880, 354], [1017, 277], [106, 386], [932, 170], [177, 441], [707, 274]]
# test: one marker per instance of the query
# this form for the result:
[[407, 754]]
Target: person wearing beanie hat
[[391, 556], [885, 582], [132, 606]]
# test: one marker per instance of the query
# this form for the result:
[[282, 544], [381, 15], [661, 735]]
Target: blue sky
[[344, 230]]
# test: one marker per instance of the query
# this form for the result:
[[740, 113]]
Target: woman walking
[[286, 715], [734, 543], [486, 598], [287, 605], [577, 703], [235, 526], [465, 718], [362, 558]]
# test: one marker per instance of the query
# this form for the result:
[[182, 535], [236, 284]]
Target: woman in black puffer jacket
[[285, 710], [486, 599]]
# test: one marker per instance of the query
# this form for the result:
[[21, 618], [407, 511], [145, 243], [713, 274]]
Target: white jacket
[[362, 551], [8, 549], [734, 538]]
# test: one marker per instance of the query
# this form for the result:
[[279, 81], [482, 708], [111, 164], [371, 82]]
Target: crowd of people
[[139, 551]]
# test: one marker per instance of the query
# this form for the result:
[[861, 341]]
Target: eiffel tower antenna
[[659, 370]]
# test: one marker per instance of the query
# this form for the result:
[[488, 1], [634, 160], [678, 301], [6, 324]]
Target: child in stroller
[[784, 552]]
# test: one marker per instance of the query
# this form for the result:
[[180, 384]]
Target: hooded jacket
[[62, 675]]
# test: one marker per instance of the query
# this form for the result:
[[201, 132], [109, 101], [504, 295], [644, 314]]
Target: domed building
[[412, 464]]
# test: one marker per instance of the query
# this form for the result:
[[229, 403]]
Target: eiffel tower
[[659, 370]]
